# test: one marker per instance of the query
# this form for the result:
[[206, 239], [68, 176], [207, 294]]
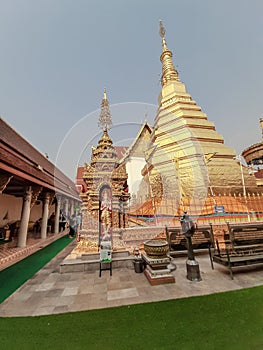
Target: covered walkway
[[34, 194]]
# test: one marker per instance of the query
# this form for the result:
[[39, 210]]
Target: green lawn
[[232, 320]]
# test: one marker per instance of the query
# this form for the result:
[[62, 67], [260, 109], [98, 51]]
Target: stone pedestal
[[156, 270], [193, 271]]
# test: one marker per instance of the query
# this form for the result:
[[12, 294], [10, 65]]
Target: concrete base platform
[[156, 270], [156, 277], [91, 262]]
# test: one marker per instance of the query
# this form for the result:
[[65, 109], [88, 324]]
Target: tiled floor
[[50, 292]]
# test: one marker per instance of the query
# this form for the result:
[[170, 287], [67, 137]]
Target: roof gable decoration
[[140, 143]]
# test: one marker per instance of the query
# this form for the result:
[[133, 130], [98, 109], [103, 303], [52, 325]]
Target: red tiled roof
[[80, 183], [120, 151], [80, 171]]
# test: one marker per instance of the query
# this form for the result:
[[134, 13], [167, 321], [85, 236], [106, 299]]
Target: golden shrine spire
[[105, 122], [169, 73]]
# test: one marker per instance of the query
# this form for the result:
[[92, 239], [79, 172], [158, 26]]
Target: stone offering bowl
[[156, 248]]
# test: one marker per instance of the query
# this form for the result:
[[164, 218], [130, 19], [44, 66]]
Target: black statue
[[188, 229]]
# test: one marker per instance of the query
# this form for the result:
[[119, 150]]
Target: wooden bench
[[234, 256], [243, 246], [245, 234], [203, 238]]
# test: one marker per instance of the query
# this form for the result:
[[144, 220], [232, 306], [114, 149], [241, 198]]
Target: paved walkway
[[50, 292]]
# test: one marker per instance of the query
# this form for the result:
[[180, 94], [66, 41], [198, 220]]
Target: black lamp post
[[192, 266]]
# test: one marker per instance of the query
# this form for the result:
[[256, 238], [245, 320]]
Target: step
[[79, 265]]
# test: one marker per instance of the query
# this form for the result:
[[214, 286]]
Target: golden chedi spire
[[105, 122], [169, 73], [182, 131]]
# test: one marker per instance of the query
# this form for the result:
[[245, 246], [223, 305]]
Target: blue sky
[[58, 55]]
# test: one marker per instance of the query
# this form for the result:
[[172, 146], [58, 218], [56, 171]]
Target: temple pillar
[[66, 207], [57, 212], [71, 208], [22, 233], [45, 216]]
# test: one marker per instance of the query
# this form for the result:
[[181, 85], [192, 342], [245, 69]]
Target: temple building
[[134, 159], [32, 190]]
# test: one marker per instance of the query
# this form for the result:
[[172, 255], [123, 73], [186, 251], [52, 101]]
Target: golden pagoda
[[188, 157]]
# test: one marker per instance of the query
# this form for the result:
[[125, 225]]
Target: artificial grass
[[14, 276], [231, 320]]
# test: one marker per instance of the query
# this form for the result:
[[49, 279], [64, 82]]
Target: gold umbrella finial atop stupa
[[104, 94], [169, 72], [162, 34], [105, 122]]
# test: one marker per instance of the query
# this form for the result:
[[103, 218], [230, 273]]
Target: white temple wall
[[134, 167], [36, 211], [11, 207]]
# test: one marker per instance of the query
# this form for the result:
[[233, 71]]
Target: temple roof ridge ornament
[[105, 122], [169, 73]]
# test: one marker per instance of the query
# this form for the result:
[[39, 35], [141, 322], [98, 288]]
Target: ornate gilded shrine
[[105, 202]]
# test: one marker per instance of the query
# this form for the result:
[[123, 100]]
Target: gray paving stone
[[54, 292], [70, 291], [48, 292], [122, 293], [44, 286]]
